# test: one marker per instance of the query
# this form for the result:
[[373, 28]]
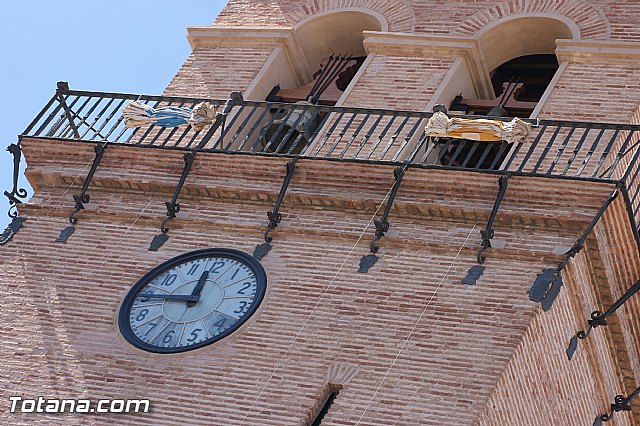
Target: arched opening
[[332, 45], [519, 55]]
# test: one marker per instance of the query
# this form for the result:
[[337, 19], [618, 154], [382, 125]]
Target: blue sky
[[131, 46]]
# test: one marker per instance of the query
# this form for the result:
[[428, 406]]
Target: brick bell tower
[[341, 212]]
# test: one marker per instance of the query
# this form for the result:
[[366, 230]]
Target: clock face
[[192, 300]]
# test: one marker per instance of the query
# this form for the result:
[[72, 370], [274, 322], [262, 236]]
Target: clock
[[192, 300]]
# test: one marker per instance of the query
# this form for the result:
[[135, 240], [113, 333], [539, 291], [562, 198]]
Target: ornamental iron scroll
[[17, 194], [599, 318], [620, 403]]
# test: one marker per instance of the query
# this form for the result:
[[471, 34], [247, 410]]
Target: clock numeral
[[245, 286], [235, 273], [148, 330], [215, 268], [194, 335], [220, 324], [146, 293], [193, 269], [143, 313], [169, 279], [152, 326], [168, 337], [244, 306]]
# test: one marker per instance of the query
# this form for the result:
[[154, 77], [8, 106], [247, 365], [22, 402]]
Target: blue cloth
[[170, 116]]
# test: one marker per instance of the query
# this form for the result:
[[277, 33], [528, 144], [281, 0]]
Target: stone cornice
[[403, 44], [598, 51], [239, 36]]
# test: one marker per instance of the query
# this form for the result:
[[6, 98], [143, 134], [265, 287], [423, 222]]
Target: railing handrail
[[347, 109]]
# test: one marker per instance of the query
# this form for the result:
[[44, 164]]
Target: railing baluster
[[473, 149], [42, 112], [328, 133], [532, 148], [484, 155], [503, 147], [367, 136], [86, 117], [606, 152], [381, 136], [53, 131], [265, 129], [194, 137], [621, 153], [96, 119], [354, 136], [341, 135], [227, 127], [71, 127], [576, 150], [430, 147], [561, 149], [444, 148], [407, 138], [252, 131], [292, 128], [392, 141], [587, 157], [241, 129], [302, 134], [547, 148]]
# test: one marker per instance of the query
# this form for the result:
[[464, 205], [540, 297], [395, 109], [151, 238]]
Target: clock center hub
[[178, 310]]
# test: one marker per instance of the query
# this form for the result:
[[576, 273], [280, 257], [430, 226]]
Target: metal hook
[[267, 238], [163, 228], [72, 217], [480, 258], [382, 227], [274, 220], [80, 201], [373, 246]]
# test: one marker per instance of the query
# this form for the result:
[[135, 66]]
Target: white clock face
[[192, 300]]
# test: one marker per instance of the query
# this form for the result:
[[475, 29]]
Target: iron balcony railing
[[577, 150]]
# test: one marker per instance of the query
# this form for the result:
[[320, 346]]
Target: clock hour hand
[[187, 297], [198, 288]]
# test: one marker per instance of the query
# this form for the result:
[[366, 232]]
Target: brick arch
[[398, 14], [589, 19]]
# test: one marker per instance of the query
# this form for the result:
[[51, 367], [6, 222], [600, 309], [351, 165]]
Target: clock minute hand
[[187, 297], [198, 288]]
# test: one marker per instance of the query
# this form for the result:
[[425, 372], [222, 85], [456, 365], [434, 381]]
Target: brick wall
[[214, 72], [408, 342], [411, 336]]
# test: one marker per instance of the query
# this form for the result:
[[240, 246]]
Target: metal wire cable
[[415, 325], [322, 295], [57, 202]]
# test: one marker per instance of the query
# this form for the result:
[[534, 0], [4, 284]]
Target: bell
[[296, 129], [497, 111]]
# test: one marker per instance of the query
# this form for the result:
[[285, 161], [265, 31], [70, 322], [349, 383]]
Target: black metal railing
[[578, 150]]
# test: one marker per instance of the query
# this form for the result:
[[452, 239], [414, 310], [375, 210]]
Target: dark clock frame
[[125, 308]]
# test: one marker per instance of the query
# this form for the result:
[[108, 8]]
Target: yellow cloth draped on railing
[[481, 129]]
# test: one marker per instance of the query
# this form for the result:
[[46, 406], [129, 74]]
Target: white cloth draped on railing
[[138, 114], [481, 129]]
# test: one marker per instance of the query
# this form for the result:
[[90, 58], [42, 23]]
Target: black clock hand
[[198, 288], [187, 297]]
